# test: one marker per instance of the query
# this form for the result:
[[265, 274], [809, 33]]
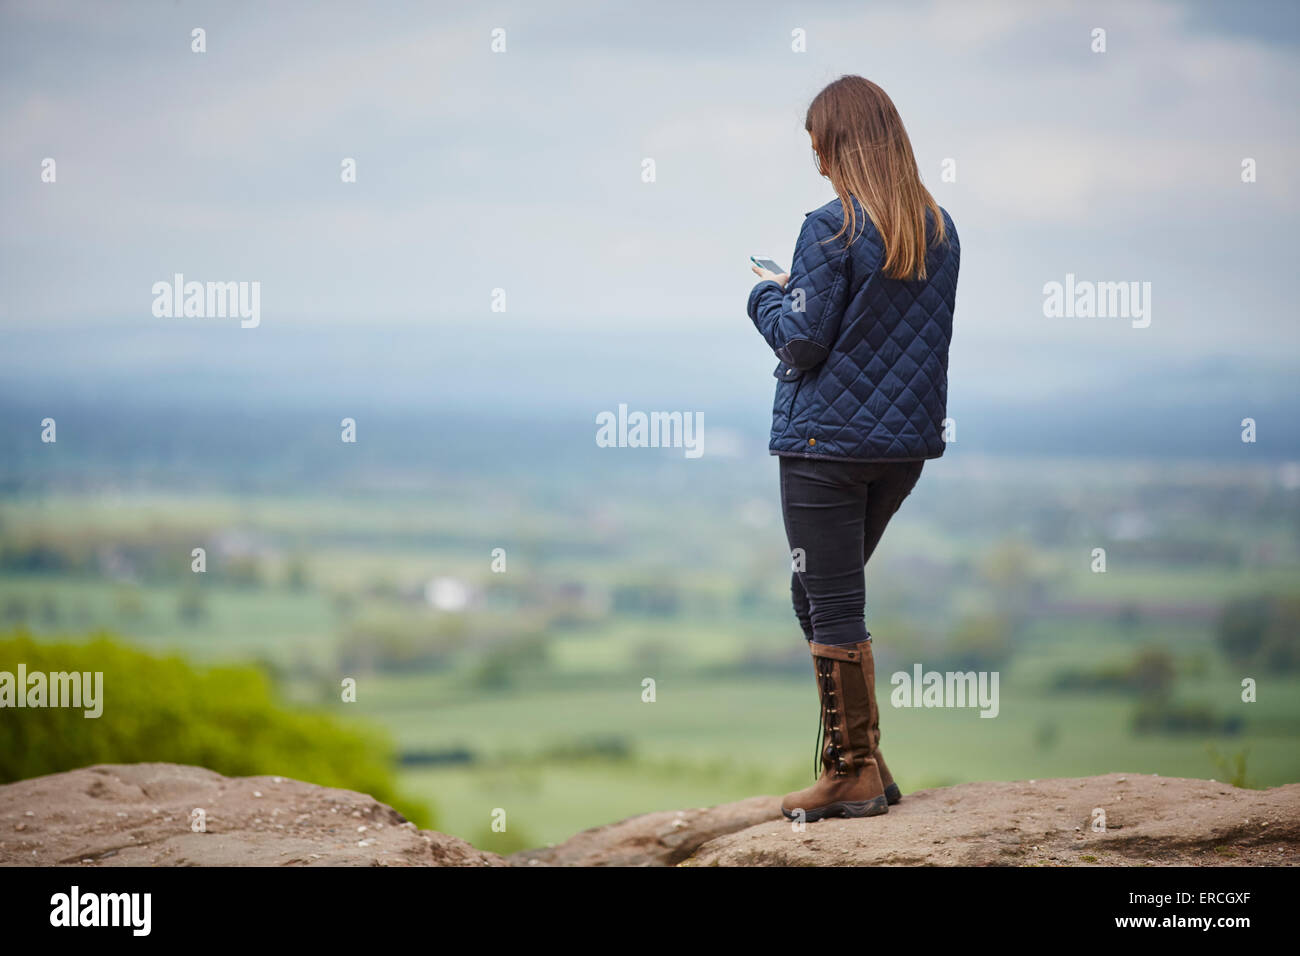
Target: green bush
[[162, 709]]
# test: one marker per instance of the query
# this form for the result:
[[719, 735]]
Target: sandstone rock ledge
[[141, 814]]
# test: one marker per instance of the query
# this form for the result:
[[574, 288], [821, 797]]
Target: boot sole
[[844, 808], [893, 794]]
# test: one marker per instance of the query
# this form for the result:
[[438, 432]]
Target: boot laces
[[826, 686]]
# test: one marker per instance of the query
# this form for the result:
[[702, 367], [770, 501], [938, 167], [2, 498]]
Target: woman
[[861, 324]]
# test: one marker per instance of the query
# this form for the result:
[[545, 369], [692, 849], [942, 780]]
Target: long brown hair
[[863, 149]]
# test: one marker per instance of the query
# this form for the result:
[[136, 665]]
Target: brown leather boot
[[850, 784], [892, 793]]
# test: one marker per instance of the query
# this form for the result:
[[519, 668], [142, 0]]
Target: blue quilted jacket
[[864, 358]]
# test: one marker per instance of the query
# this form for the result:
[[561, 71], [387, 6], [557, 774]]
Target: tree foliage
[[163, 709]]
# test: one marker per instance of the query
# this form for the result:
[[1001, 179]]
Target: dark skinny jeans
[[836, 511]]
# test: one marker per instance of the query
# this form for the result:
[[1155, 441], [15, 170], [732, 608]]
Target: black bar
[[439, 906]]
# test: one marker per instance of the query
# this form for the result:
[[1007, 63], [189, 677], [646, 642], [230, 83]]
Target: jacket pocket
[[788, 379]]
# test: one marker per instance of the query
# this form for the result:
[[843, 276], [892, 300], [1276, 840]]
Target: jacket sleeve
[[802, 321]]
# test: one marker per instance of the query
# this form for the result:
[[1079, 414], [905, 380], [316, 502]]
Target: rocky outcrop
[[144, 815], [1114, 820]]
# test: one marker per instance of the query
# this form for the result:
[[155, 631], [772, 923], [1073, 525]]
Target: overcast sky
[[522, 170]]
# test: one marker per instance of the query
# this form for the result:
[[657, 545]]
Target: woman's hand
[[780, 279]]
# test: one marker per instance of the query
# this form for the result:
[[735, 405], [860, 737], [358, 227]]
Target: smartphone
[[768, 264]]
